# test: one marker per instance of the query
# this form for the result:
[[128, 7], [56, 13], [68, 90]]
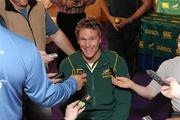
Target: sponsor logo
[[164, 49], [167, 34], [141, 44], [175, 6], [165, 5], [151, 32]]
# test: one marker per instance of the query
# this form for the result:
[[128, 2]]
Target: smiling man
[[108, 102]]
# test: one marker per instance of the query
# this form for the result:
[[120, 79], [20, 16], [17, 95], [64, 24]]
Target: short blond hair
[[90, 23]]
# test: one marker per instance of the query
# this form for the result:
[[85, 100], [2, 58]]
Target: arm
[[57, 36], [124, 82], [105, 9], [62, 42], [146, 4], [88, 2], [40, 89], [67, 3], [58, 2], [73, 110]]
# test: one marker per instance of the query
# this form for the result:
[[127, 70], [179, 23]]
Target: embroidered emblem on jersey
[[106, 73], [78, 71]]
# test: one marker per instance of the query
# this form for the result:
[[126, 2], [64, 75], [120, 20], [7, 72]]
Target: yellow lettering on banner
[[175, 21], [177, 52], [151, 32], [167, 34], [164, 49], [165, 5], [141, 44]]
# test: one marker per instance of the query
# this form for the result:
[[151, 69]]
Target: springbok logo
[[175, 6]]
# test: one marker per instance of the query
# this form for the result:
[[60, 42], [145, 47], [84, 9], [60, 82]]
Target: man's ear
[[77, 41]]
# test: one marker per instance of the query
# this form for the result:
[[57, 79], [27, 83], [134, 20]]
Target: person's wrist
[[129, 20], [68, 118], [132, 85]]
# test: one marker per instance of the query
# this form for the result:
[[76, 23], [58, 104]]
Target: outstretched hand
[[81, 80], [171, 91], [122, 82], [73, 110]]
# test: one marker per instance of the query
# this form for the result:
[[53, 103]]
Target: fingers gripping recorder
[[112, 72], [84, 100], [87, 97]]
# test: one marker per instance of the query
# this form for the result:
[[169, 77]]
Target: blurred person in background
[[124, 27], [29, 19]]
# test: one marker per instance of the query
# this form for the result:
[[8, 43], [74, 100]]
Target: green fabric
[[159, 35], [168, 6], [108, 102]]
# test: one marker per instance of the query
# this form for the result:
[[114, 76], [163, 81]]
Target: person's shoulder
[[109, 52], [72, 57], [36, 3], [172, 60], [16, 40], [76, 54], [112, 54], [40, 3], [170, 63]]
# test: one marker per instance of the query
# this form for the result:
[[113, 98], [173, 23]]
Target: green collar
[[78, 61]]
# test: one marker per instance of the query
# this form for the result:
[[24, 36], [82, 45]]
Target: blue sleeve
[[51, 27], [40, 89], [2, 22]]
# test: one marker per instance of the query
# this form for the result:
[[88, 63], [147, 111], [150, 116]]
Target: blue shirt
[[21, 71]]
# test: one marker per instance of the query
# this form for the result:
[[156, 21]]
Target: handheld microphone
[[60, 75], [147, 117]]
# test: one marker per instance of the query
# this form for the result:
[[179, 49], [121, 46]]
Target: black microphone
[[60, 75], [147, 117]]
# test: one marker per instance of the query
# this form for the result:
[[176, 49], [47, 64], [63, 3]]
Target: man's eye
[[93, 38], [82, 39]]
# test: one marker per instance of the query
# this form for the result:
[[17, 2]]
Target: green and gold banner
[[168, 7], [159, 35]]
